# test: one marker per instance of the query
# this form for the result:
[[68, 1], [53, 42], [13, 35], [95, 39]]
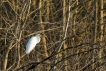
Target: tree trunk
[[95, 31], [42, 28], [64, 54], [101, 32]]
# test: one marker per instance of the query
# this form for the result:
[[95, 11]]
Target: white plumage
[[32, 42]]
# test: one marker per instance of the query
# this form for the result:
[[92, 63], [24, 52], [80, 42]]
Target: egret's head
[[38, 35]]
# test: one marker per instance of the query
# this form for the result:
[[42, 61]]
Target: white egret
[[32, 43]]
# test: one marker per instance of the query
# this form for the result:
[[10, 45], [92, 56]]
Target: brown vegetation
[[73, 35]]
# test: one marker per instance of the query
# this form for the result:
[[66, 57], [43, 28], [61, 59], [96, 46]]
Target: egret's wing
[[31, 44]]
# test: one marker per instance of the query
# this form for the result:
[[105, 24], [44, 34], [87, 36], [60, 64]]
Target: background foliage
[[73, 35]]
